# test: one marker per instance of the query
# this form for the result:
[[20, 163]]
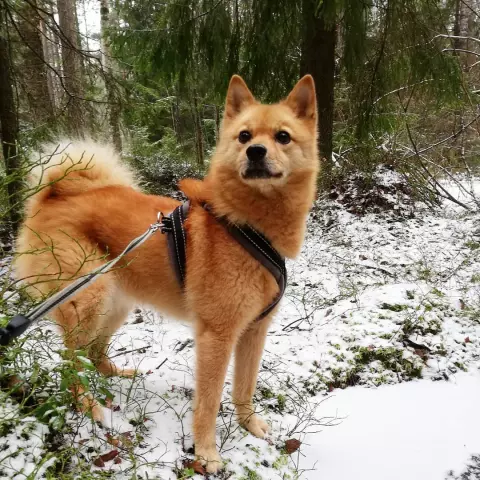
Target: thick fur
[[89, 209]]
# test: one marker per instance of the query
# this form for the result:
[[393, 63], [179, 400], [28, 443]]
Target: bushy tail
[[71, 167]]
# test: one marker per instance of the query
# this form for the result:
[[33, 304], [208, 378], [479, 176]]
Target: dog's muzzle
[[257, 164]]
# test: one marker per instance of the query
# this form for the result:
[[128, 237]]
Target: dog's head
[[265, 144]]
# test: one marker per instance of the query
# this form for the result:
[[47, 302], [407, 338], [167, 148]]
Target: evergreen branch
[[190, 20]]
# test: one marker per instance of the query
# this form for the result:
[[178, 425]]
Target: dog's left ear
[[302, 99], [238, 97]]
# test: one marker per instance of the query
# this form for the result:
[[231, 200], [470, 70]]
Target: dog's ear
[[238, 97], [302, 99]]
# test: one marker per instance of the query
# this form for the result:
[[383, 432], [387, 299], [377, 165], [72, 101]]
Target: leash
[[173, 224], [19, 323]]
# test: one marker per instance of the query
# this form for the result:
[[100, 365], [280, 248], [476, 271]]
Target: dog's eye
[[282, 137], [245, 136]]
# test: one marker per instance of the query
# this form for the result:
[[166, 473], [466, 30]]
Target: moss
[[472, 245], [391, 358], [266, 393], [250, 474], [461, 366], [395, 307], [281, 402], [422, 326], [281, 461]]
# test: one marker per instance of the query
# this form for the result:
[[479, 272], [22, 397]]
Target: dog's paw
[[96, 412], [128, 372], [89, 406], [209, 458], [256, 426], [109, 369]]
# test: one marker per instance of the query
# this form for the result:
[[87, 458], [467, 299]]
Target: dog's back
[[62, 170]]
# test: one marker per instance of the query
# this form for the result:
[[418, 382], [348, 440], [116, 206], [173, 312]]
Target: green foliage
[[163, 163]]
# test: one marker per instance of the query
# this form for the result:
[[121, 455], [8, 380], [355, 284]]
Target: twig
[[131, 351]]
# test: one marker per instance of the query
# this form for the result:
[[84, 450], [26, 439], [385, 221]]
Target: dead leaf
[[467, 340], [106, 457], [422, 353], [117, 460], [292, 445], [196, 466], [98, 462]]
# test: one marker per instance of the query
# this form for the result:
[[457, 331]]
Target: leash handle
[[16, 326], [19, 323]]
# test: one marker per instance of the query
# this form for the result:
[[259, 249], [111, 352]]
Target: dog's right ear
[[238, 97]]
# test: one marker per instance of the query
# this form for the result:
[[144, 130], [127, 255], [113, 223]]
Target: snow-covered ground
[[372, 363]]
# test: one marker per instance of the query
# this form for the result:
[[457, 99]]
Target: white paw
[[256, 426], [209, 458]]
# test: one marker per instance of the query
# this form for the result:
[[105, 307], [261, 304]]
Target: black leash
[[19, 323], [173, 225]]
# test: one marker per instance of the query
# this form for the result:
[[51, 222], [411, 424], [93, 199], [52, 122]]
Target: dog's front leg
[[213, 350], [248, 355]]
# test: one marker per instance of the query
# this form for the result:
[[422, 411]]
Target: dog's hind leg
[[88, 320], [248, 354], [112, 320]]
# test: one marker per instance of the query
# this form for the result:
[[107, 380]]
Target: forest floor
[[372, 364]]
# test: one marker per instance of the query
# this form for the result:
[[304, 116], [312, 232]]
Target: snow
[[373, 302], [417, 430]]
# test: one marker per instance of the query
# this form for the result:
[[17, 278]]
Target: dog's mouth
[[253, 173]]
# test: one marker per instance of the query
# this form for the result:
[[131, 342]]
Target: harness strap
[[251, 240], [177, 240]]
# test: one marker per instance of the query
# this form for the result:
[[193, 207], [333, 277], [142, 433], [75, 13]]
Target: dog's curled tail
[[71, 167]]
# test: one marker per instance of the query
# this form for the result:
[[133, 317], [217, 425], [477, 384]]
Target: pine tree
[[73, 79], [9, 123], [114, 107], [32, 65]]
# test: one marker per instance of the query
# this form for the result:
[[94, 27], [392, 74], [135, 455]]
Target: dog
[[88, 208]]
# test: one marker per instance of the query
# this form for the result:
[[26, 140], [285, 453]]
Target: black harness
[[251, 240]]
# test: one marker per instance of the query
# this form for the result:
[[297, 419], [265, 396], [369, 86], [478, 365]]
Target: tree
[[73, 79], [114, 106], [318, 59], [32, 65], [9, 124]]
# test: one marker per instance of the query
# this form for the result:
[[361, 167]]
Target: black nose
[[256, 152]]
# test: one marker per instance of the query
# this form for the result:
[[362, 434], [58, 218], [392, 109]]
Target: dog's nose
[[256, 152]]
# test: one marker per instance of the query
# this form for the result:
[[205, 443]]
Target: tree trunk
[[465, 14], [318, 59], [72, 72], [50, 60], [114, 107], [9, 129], [52, 56], [217, 122], [34, 68], [198, 131]]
